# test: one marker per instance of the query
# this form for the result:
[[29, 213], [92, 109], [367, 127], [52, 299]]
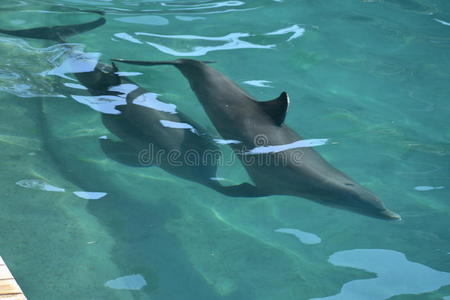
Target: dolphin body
[[189, 154], [260, 125]]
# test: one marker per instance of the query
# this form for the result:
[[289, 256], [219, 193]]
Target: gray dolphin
[[259, 126], [150, 135]]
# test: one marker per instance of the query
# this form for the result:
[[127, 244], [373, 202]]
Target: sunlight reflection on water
[[396, 275]]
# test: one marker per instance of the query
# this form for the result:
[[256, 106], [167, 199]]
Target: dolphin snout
[[390, 215], [364, 201]]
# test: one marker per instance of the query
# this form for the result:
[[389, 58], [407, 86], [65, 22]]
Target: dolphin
[[278, 165], [151, 132]]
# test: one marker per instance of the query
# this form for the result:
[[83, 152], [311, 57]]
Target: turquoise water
[[371, 76]]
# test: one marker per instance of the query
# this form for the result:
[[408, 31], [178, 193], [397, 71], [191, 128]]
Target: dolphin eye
[[350, 184]]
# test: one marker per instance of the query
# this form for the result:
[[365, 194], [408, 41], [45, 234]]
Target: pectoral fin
[[245, 190]]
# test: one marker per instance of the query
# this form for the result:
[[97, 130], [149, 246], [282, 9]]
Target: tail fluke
[[55, 33]]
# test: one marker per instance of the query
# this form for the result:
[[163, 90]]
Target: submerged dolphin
[[259, 126], [152, 132]]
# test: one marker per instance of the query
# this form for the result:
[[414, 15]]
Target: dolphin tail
[[55, 33]]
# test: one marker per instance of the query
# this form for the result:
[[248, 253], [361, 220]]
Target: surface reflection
[[75, 86], [146, 20], [396, 275], [38, 184], [442, 22], [178, 125], [105, 104], [188, 19], [150, 100], [90, 195], [132, 282], [21, 75], [279, 148], [127, 37], [424, 188], [204, 5], [226, 142], [304, 237], [232, 41], [296, 30], [259, 83], [77, 62]]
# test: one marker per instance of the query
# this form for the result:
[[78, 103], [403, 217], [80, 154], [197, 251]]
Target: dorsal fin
[[276, 108]]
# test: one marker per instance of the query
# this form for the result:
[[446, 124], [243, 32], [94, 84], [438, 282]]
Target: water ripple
[[204, 5], [146, 20], [232, 41], [296, 30], [21, 69]]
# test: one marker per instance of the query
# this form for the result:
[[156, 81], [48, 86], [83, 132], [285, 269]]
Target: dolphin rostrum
[[152, 132], [268, 148]]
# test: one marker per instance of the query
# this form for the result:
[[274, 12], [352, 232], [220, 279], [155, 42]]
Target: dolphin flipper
[[55, 33], [245, 190], [121, 152]]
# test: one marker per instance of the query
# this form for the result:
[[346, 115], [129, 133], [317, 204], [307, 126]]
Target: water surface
[[370, 77]]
